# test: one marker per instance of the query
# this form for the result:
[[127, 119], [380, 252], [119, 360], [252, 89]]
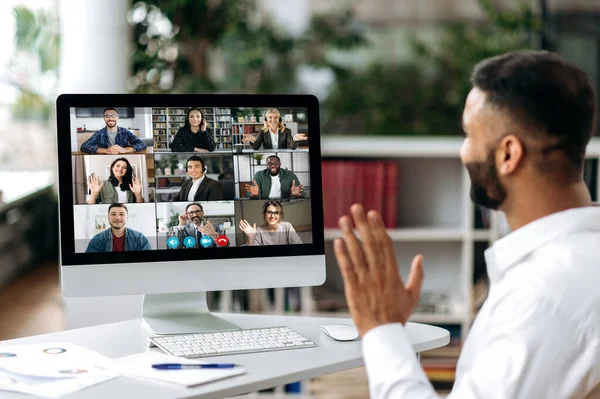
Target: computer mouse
[[340, 332]]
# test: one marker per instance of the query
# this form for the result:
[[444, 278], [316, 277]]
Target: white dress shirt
[[194, 188], [275, 187], [537, 334], [274, 139]]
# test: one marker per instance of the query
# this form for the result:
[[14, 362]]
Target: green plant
[[174, 220], [176, 40], [258, 156], [36, 59], [426, 96]]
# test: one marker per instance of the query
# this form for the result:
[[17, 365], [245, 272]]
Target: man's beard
[[486, 188], [196, 220]]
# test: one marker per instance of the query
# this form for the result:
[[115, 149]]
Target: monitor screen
[[177, 181]]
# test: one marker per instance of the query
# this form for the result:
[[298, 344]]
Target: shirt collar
[[197, 182], [515, 246], [272, 132]]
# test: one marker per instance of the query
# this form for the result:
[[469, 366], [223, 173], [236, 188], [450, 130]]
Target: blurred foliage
[[426, 96], [34, 68], [177, 41]]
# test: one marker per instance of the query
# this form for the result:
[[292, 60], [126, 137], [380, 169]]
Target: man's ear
[[509, 155]]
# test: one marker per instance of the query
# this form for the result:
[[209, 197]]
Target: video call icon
[[189, 242], [206, 241], [173, 242]]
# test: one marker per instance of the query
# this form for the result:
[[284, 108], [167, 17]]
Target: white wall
[[95, 58]]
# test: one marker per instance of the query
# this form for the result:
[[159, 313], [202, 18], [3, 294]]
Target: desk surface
[[263, 370]]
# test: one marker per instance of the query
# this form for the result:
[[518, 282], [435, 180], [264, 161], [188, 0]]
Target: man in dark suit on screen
[[200, 187]]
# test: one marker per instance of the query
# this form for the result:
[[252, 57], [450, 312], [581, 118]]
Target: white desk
[[264, 370]]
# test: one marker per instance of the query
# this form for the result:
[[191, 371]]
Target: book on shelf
[[371, 183]]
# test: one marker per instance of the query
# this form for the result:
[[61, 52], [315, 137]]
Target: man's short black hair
[[108, 109], [194, 158], [274, 156], [544, 94], [117, 205], [194, 203]]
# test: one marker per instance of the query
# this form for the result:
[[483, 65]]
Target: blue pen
[[177, 366]]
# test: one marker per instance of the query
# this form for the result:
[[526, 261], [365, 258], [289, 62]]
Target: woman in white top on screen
[[274, 232], [122, 187], [274, 134]]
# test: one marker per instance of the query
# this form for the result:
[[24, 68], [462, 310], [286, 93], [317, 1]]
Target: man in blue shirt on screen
[[118, 238], [112, 139]]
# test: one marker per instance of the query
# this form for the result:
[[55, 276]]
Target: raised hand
[[300, 137], [248, 138], [249, 230], [95, 184], [252, 189], [208, 229], [183, 218], [136, 186], [296, 190], [374, 289]]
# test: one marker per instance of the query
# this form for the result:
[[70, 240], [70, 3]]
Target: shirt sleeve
[[294, 238], [392, 366], [91, 145], [529, 349], [259, 140], [178, 145], [209, 142], [136, 142]]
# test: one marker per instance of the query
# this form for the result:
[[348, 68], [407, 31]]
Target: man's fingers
[[385, 244], [344, 262], [353, 247], [369, 245], [415, 279]]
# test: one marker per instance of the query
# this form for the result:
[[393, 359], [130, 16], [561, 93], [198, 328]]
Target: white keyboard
[[232, 342]]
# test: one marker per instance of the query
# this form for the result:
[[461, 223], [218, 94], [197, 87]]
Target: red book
[[390, 194], [373, 185]]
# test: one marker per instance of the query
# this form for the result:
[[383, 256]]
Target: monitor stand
[[181, 313]]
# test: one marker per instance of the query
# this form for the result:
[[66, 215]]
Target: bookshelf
[[435, 216], [167, 121]]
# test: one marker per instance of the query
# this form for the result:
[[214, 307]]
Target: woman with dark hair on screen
[[274, 134], [275, 231], [194, 136], [122, 187]]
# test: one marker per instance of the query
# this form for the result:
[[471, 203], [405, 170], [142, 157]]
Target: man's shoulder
[[102, 234], [101, 131], [123, 130], [134, 233]]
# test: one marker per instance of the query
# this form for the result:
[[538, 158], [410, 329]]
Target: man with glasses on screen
[[274, 182], [118, 237], [112, 139], [192, 228]]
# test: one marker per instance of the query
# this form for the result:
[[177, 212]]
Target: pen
[[177, 366]]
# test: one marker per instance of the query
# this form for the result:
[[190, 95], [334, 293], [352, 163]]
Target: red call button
[[222, 241]]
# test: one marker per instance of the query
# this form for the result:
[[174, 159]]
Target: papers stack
[[50, 370], [140, 365]]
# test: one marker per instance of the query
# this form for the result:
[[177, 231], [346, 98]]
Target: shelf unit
[[166, 122], [435, 216]]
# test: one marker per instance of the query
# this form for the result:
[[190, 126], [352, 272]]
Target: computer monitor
[[185, 194]]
